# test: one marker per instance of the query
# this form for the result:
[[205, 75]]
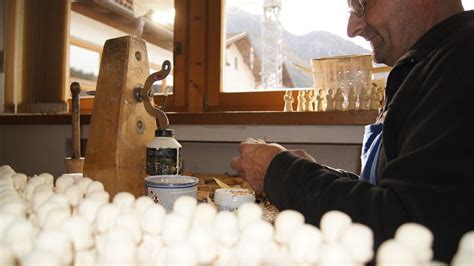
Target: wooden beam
[[215, 46], [13, 54], [126, 24], [217, 118], [197, 55], [45, 64], [274, 118], [180, 52]]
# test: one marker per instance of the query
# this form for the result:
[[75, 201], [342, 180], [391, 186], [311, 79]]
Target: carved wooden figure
[[339, 100], [330, 101], [364, 98], [289, 99], [381, 93], [320, 106], [301, 101], [310, 99], [352, 99], [375, 99]]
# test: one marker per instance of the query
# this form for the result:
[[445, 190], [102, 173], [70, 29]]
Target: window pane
[[268, 37], [95, 23], [84, 66]]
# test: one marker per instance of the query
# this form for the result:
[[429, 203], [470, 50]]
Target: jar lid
[[164, 132], [233, 197], [171, 181]]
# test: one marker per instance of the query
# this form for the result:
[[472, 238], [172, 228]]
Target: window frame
[[199, 53], [199, 30]]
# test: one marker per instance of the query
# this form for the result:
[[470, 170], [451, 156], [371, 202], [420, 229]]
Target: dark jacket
[[426, 165]]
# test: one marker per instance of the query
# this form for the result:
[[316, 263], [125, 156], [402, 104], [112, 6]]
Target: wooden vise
[[120, 125]]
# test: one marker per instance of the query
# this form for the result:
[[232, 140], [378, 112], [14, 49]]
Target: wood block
[[74, 165], [120, 126]]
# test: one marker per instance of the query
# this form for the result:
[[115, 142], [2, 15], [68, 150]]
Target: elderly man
[[418, 158]]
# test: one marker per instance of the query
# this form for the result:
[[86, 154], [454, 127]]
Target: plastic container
[[163, 154], [165, 189], [229, 199]]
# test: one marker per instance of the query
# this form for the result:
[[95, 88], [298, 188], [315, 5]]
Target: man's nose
[[355, 26]]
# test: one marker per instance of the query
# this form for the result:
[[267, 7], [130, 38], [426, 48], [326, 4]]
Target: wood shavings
[[221, 183]]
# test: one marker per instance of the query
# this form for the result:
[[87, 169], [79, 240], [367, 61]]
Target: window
[[92, 22], [83, 66], [215, 38], [201, 65], [283, 40]]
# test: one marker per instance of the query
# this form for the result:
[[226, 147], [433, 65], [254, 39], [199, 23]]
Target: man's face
[[386, 25]]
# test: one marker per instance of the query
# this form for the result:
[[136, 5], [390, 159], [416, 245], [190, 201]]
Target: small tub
[[165, 189], [229, 199]]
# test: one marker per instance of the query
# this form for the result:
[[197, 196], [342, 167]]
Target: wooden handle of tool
[[76, 120]]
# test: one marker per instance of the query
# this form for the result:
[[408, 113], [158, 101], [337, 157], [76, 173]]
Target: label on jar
[[163, 161]]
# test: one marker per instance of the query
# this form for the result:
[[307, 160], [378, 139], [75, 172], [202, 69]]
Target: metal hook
[[145, 94]]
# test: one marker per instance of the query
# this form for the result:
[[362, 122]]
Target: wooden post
[[197, 56], [45, 62], [13, 53], [120, 127], [75, 164]]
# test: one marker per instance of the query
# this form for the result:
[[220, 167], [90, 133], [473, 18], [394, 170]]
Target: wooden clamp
[[120, 126]]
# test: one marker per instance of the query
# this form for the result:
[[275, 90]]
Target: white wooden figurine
[[310, 99], [375, 99], [351, 104], [339, 100], [364, 98], [381, 93], [289, 99], [320, 98], [330, 101], [301, 101]]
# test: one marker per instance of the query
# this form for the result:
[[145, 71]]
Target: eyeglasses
[[358, 7]]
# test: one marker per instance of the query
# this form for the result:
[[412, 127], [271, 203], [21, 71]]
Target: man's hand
[[253, 162]]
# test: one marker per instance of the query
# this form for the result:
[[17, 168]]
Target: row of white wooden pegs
[[321, 100]]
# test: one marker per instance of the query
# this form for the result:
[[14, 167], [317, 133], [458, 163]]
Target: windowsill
[[216, 118]]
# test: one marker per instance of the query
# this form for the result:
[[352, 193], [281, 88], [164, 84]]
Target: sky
[[303, 16]]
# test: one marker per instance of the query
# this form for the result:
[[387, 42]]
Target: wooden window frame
[[199, 63], [199, 34]]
